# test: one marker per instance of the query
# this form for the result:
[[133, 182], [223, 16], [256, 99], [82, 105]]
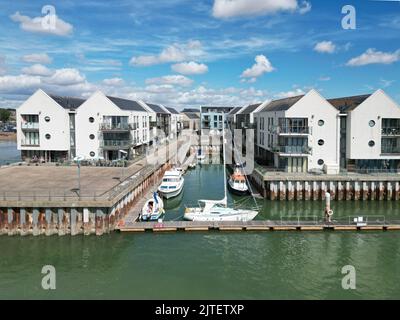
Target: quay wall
[[80, 217], [289, 188]]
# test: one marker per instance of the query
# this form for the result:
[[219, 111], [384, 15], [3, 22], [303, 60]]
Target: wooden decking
[[258, 225]]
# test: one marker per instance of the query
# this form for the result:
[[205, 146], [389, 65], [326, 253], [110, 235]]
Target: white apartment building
[[43, 127], [308, 132], [298, 134], [52, 128]]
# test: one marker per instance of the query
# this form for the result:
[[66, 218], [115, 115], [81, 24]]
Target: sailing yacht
[[218, 210], [172, 184]]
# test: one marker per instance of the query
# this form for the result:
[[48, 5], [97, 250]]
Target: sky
[[187, 53]]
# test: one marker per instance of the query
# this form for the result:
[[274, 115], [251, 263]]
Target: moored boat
[[153, 209], [237, 183], [172, 184]]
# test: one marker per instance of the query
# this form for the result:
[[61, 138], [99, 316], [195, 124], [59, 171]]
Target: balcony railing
[[292, 149], [116, 143], [293, 130], [391, 131], [115, 126], [29, 143], [390, 150], [30, 125]]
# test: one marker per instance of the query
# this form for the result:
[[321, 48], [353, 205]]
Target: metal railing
[[293, 149], [30, 143], [30, 125], [115, 126], [391, 131], [390, 150], [116, 143], [293, 130]]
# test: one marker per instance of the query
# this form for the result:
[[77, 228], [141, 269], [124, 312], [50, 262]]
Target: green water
[[212, 265]]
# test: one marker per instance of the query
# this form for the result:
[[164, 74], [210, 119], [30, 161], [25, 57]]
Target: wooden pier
[[257, 225]]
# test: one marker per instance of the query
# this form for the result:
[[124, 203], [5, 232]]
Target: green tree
[[4, 115]]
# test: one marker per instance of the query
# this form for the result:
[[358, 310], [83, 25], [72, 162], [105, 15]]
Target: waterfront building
[[53, 128], [369, 132], [213, 118], [43, 127], [231, 117], [298, 134], [110, 128], [176, 122], [190, 121]]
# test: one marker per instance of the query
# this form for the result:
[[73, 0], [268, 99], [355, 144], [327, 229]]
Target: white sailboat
[[218, 210]]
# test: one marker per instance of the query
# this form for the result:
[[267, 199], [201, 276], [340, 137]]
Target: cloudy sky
[[198, 52]]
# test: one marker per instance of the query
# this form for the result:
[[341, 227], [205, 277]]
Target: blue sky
[[192, 52]]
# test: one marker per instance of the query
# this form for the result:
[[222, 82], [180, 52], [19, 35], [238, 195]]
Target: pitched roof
[[282, 104], [192, 110], [235, 110], [68, 102], [251, 108], [156, 108], [125, 104], [172, 110], [191, 115], [347, 104]]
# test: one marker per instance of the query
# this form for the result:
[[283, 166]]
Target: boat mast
[[223, 155]]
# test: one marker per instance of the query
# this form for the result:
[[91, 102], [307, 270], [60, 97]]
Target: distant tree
[[4, 115]]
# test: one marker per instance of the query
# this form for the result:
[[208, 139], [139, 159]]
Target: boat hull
[[172, 194], [237, 191], [196, 214]]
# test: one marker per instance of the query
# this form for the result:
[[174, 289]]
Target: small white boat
[[192, 165], [237, 183], [172, 184], [153, 209], [200, 156]]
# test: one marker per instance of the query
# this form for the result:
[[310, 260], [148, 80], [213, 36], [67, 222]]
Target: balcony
[[390, 150], [115, 144], [293, 130], [30, 126], [391, 131], [292, 150], [115, 127], [29, 143]]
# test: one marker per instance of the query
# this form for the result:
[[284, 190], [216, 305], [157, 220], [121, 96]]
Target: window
[[371, 143], [320, 162], [91, 119], [91, 137], [321, 142], [371, 123], [321, 123], [47, 119], [92, 153], [48, 136]]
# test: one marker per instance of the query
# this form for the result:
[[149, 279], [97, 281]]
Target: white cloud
[[325, 47], [262, 65], [190, 68], [66, 77], [21, 84], [113, 82], [3, 68], [386, 83], [290, 93], [171, 80], [173, 53], [26, 23], [41, 58], [305, 7], [323, 78], [371, 56], [37, 70], [234, 8]]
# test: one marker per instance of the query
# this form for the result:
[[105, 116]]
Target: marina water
[[211, 265]]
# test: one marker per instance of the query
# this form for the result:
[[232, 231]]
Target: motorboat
[[237, 183], [172, 184], [218, 210], [153, 209]]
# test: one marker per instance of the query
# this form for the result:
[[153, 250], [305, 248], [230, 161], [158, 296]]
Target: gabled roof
[[191, 115], [282, 104], [67, 102], [251, 108], [347, 104], [156, 108], [192, 110], [126, 104], [172, 110], [235, 110]]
